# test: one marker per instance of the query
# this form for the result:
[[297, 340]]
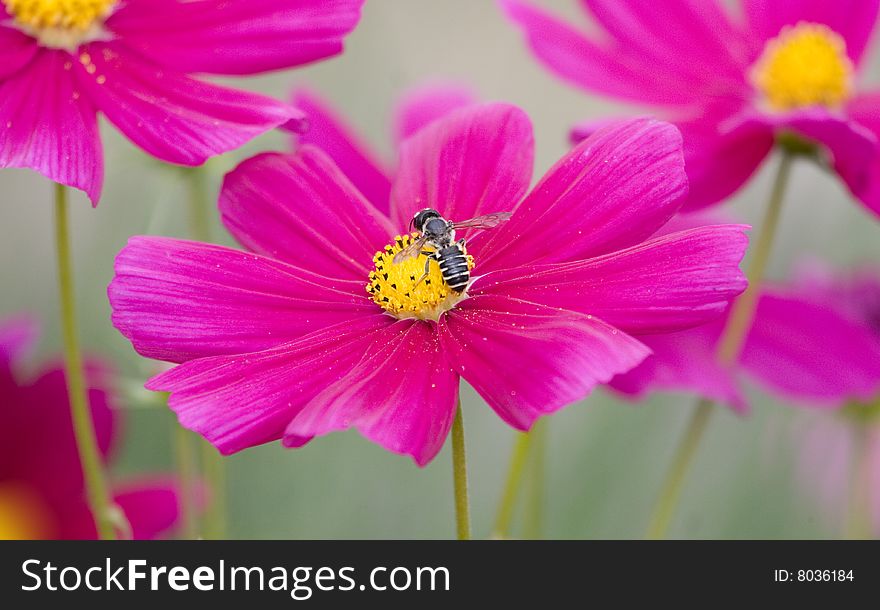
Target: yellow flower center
[[806, 65], [23, 515], [396, 288], [63, 24]]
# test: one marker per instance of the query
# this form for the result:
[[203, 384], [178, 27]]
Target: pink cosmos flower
[[316, 328], [733, 87], [371, 174], [42, 492], [815, 341], [836, 452], [67, 60]]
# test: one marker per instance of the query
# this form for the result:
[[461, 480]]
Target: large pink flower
[[733, 88], [67, 60], [284, 342], [42, 492], [816, 341]]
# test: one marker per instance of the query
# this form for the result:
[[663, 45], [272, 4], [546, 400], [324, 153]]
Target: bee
[[439, 233]]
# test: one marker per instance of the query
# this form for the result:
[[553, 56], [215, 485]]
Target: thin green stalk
[[213, 466], [459, 477], [684, 455], [534, 513], [83, 426], [743, 311], [186, 471], [858, 519], [215, 474], [729, 348], [504, 516], [199, 206]]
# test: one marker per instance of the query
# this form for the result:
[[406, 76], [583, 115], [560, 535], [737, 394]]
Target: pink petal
[[41, 437], [527, 360], [471, 162], [225, 37], [171, 116], [424, 104], [692, 40], [178, 300], [865, 110], [667, 283], [18, 50], [303, 210], [49, 125], [151, 507], [608, 69], [401, 395], [611, 191], [684, 361], [357, 161], [853, 19], [854, 149], [810, 352], [719, 162], [242, 401]]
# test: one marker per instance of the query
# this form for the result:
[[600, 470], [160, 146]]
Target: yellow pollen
[[60, 23], [806, 65], [393, 285]]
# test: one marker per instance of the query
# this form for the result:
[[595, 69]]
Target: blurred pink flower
[[835, 451], [131, 60], [372, 175], [284, 342], [41, 483], [816, 340], [732, 86]]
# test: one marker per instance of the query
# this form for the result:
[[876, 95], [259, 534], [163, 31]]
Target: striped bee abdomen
[[454, 267]]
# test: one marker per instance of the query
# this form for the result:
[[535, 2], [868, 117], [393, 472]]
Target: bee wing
[[414, 249], [489, 221]]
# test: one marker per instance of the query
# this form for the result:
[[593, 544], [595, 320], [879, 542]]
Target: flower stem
[[534, 513], [83, 426], [215, 474], [186, 470], [729, 347], [504, 516], [743, 311], [200, 209], [858, 519], [459, 477], [684, 455]]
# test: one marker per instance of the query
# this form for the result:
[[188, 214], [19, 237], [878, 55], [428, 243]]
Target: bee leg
[[427, 268]]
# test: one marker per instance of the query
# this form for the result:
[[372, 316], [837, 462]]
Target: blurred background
[[606, 457]]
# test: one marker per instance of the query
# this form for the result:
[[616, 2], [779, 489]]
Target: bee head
[[422, 217]]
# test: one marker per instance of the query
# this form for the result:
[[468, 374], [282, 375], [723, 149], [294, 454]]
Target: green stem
[[459, 477], [743, 310], [534, 513], [200, 211], [684, 455], [729, 347], [215, 473], [186, 471], [83, 426], [858, 519], [504, 516]]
